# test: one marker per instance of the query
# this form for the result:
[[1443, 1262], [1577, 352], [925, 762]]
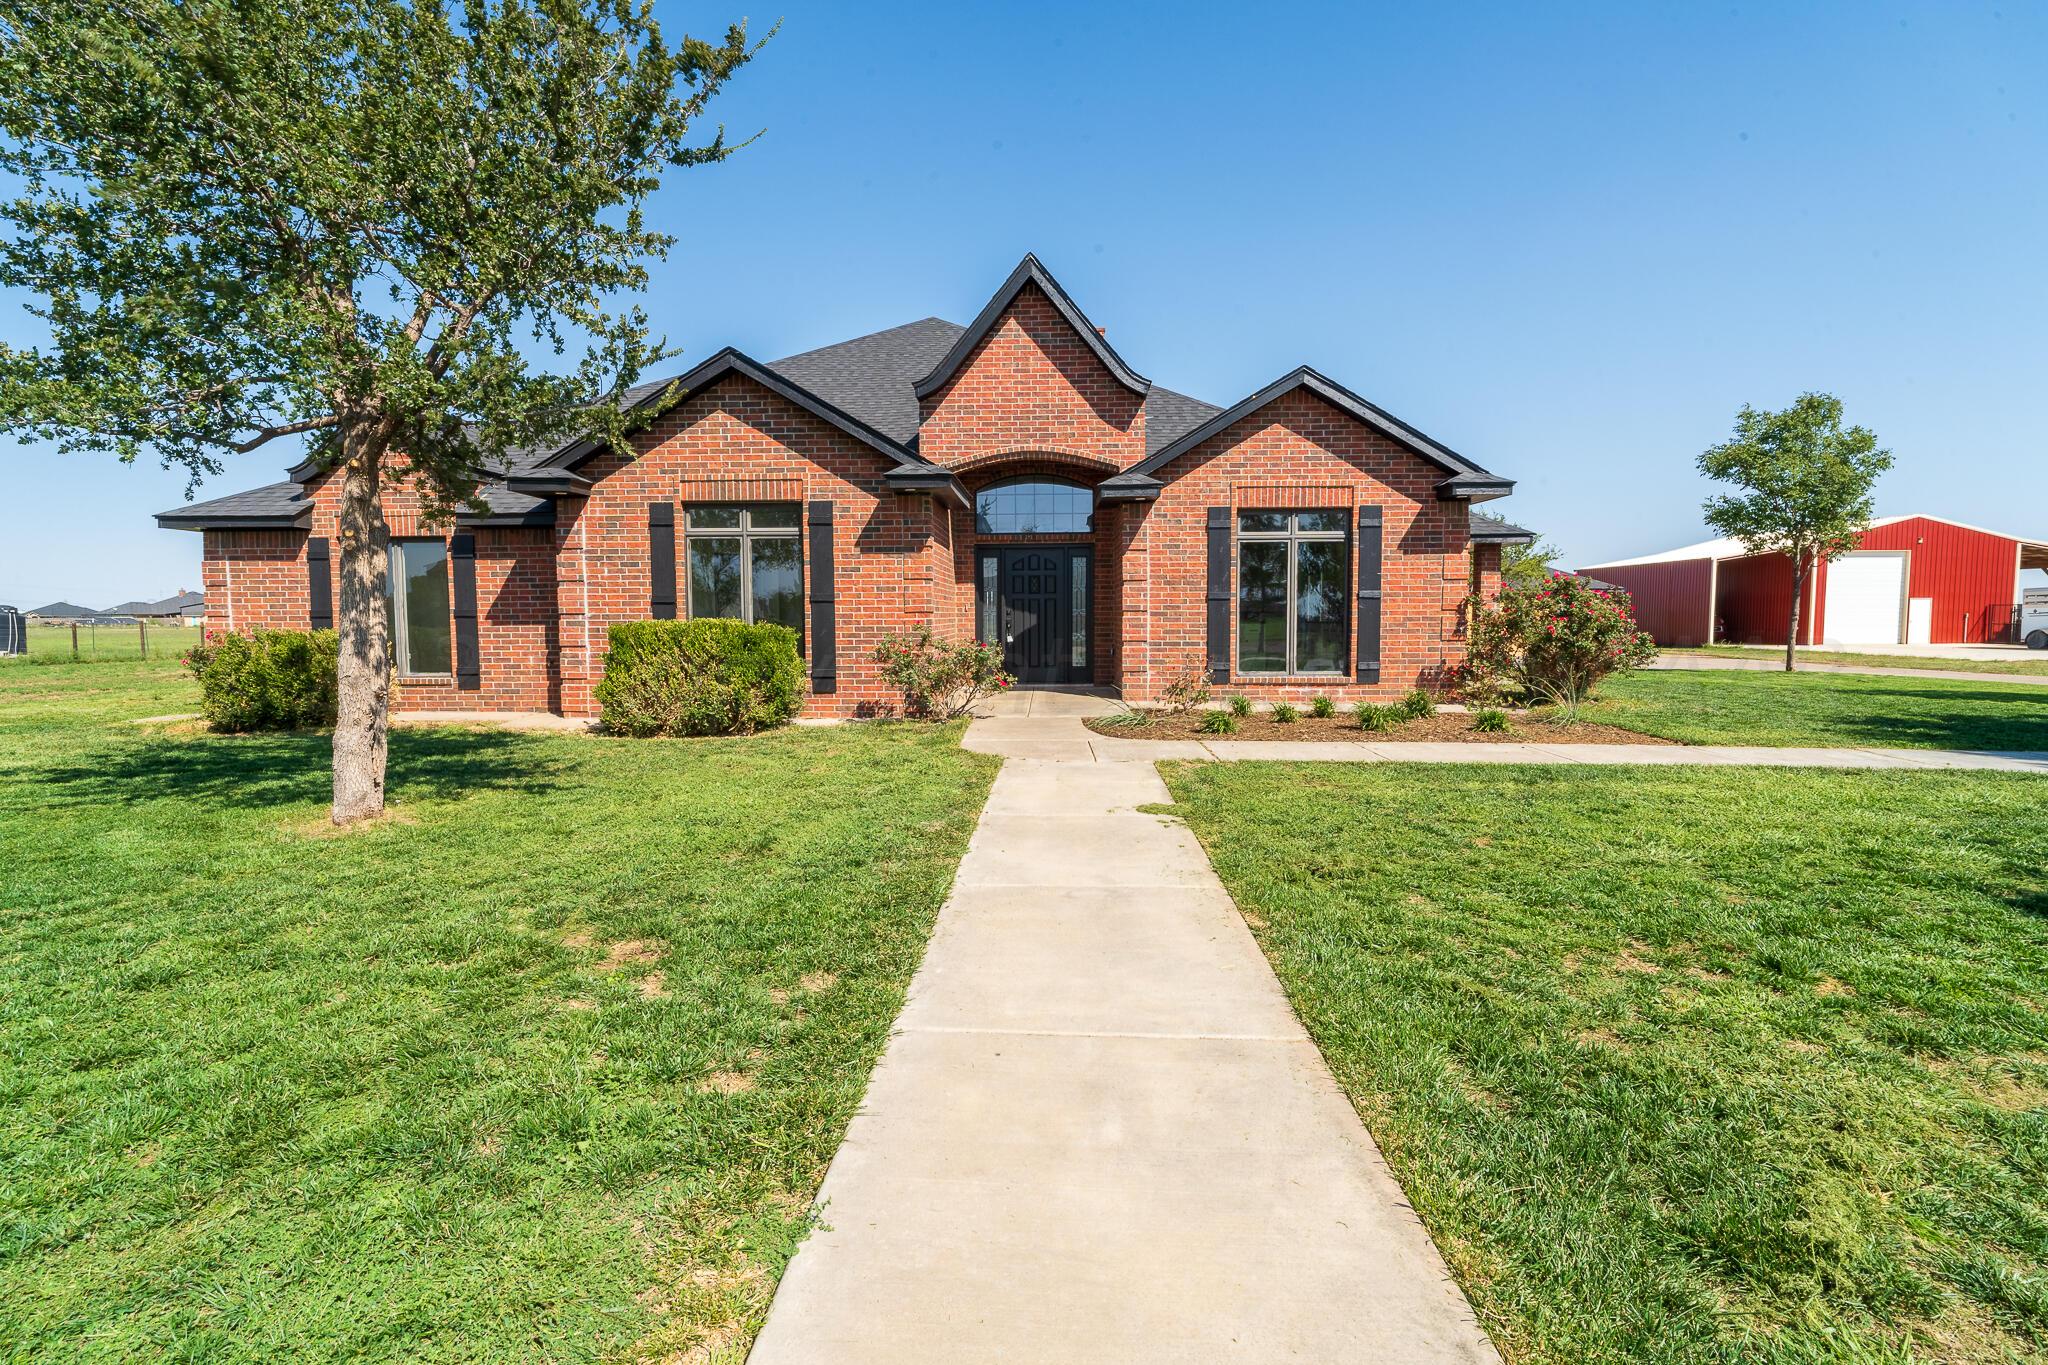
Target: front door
[[1034, 581], [1041, 611]]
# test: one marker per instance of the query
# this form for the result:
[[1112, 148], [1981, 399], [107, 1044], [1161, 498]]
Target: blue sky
[[1569, 240]]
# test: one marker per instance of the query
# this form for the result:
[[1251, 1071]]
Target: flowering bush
[[1186, 692], [1552, 643], [940, 679]]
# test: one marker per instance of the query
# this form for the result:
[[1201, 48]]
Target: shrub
[[1374, 716], [1285, 713], [266, 680], [1492, 720], [940, 679], [1553, 642], [1418, 704], [702, 677], [1322, 708], [1219, 723], [1240, 706], [1185, 692]]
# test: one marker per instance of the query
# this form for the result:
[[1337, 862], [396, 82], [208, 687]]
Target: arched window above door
[[1033, 507]]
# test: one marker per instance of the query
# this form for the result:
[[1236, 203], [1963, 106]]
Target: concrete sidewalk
[[1711, 663], [1100, 1134], [1067, 739]]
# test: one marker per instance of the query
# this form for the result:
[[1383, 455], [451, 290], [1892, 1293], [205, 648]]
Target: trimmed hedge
[[702, 677], [267, 679]]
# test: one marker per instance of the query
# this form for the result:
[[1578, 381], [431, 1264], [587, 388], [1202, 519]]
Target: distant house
[[183, 608], [1910, 580], [58, 612]]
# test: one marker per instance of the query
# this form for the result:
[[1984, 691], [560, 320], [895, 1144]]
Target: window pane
[[1261, 521], [985, 606], [1319, 521], [1033, 507], [778, 582], [714, 518], [429, 630], [1319, 620], [773, 516], [1262, 607], [715, 576], [1079, 613]]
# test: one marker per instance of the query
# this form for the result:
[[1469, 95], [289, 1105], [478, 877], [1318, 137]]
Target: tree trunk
[[1799, 572], [364, 624]]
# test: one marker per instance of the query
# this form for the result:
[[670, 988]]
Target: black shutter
[[1219, 594], [462, 582], [661, 559], [319, 584], [824, 599], [1368, 594]]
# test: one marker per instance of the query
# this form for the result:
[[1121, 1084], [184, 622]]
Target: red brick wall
[[1297, 452], [1033, 384], [732, 442]]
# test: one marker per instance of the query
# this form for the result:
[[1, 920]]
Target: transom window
[[1293, 585], [1033, 507], [416, 589], [745, 562]]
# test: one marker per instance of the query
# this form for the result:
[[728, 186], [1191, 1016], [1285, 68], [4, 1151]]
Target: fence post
[[74, 641], [142, 631]]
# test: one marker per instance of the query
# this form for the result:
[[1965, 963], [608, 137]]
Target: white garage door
[[1866, 593]]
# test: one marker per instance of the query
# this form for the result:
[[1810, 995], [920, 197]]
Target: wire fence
[[102, 642]]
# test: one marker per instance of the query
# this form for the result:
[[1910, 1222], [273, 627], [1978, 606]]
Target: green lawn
[[99, 644], [545, 1067], [2030, 663], [1833, 709], [1681, 1066]]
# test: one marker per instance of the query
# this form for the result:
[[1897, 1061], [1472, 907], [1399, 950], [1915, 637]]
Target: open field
[[1681, 1066], [50, 644], [1824, 709], [2032, 664], [545, 1066]]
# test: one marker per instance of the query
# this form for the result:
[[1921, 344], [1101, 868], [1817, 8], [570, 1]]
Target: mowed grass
[[1826, 709], [52, 644], [547, 1066], [1681, 1066], [2026, 664]]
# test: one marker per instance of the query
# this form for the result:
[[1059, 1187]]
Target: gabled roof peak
[[1031, 270]]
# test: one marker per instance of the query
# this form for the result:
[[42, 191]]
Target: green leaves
[[1807, 479], [342, 217]]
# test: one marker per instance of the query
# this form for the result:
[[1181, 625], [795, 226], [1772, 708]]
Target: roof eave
[[929, 479], [181, 520], [1125, 488], [1030, 271], [1465, 488], [732, 361]]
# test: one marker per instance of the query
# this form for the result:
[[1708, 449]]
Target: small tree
[[1527, 566], [1553, 643], [1807, 482], [338, 217]]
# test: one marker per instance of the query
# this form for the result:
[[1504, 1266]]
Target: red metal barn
[[1910, 580]]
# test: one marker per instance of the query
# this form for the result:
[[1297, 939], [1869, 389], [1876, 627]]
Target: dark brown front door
[[1034, 592]]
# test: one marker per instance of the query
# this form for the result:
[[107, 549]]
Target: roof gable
[[1030, 272], [1467, 480]]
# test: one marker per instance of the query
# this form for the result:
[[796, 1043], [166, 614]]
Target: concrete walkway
[[1720, 663], [1067, 739], [1099, 1133]]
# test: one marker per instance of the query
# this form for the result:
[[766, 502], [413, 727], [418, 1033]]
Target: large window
[[746, 562], [421, 628], [1293, 584], [1033, 507]]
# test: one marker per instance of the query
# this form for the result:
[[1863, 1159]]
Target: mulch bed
[[1445, 727]]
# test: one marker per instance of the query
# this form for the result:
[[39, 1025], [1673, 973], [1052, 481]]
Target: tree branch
[[288, 429]]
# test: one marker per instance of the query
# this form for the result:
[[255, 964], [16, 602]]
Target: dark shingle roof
[[1170, 416], [1489, 528], [874, 377], [61, 609], [280, 502]]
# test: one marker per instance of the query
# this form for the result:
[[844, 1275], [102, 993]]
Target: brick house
[[1013, 480]]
